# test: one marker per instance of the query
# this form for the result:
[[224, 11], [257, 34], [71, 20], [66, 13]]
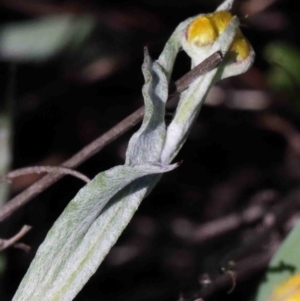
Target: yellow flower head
[[202, 35], [207, 28], [288, 290]]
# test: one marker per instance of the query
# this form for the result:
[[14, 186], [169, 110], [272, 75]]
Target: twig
[[274, 219], [254, 7], [22, 247], [5, 243], [232, 275], [258, 208], [210, 63], [43, 169], [245, 270], [122, 127], [229, 223]]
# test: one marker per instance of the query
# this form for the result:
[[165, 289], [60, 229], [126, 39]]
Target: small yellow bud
[[240, 46], [201, 32], [220, 20], [288, 290], [206, 29]]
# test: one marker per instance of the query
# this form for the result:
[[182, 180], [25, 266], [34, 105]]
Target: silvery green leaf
[[284, 264], [147, 143], [192, 99], [92, 222], [39, 40], [62, 263]]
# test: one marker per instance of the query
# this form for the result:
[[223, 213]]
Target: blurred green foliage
[[284, 73], [284, 264], [42, 39]]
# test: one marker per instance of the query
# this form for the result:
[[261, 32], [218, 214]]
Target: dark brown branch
[[6, 243], [210, 63], [122, 127], [245, 270], [224, 225], [43, 169]]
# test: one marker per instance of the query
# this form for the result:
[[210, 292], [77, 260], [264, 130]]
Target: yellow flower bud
[[207, 28], [201, 32], [288, 290]]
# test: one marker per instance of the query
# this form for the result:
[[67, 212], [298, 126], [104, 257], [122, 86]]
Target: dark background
[[243, 151]]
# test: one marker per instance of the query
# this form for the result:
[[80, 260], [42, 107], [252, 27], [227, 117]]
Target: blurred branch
[[282, 126], [254, 256], [43, 169], [122, 127], [227, 224], [254, 7], [6, 243], [274, 219], [245, 270], [22, 247]]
